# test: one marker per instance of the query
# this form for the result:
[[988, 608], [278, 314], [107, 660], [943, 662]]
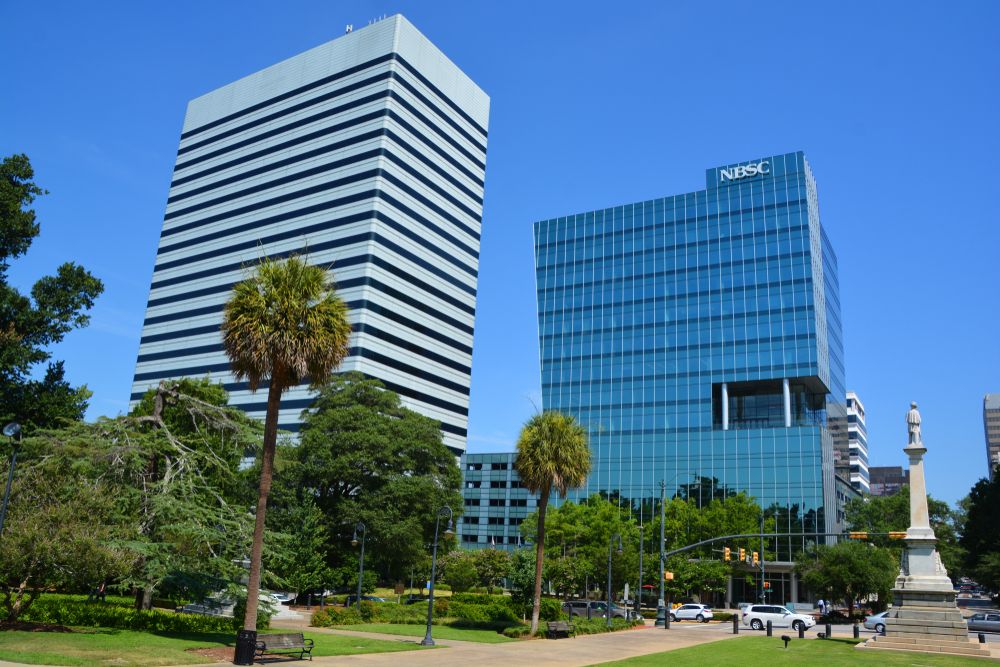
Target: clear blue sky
[[593, 104]]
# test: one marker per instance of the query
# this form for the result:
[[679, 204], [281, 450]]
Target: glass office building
[[366, 154], [698, 339]]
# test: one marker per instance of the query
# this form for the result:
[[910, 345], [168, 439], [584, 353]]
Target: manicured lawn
[[439, 632], [770, 652], [126, 648]]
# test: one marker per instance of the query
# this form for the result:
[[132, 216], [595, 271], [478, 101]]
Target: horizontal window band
[[390, 75], [327, 226], [324, 132], [557, 388], [334, 148], [387, 94], [617, 236], [377, 193], [550, 313], [330, 79], [554, 364], [354, 159], [199, 371], [349, 261], [368, 329], [354, 352], [643, 328], [618, 281], [358, 305]]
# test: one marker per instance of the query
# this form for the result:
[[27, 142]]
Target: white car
[[757, 616], [692, 612], [876, 622]]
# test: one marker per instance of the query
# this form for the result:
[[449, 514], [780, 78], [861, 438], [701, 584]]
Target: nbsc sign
[[744, 171]]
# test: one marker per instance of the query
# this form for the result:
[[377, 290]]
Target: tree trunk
[[543, 503], [266, 473]]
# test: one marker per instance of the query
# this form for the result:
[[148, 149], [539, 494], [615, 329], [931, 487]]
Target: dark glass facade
[[698, 339]]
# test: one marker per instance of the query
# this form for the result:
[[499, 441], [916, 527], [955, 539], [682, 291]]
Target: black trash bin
[[246, 644]]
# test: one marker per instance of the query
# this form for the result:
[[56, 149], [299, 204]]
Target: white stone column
[[920, 520], [725, 407], [786, 390]]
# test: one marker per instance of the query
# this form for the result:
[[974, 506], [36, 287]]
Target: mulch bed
[[218, 653], [24, 626]]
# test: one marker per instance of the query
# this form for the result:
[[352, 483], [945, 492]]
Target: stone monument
[[924, 616]]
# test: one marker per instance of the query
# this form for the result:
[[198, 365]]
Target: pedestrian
[[822, 607]]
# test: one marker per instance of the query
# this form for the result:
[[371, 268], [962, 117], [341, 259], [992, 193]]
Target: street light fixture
[[444, 511], [12, 431], [360, 526], [662, 613], [611, 544]]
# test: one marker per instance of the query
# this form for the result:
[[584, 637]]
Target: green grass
[[128, 648], [769, 652], [439, 632]]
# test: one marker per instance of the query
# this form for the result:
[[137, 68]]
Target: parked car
[[692, 612], [876, 622], [757, 616], [986, 622], [578, 609], [352, 600], [413, 598]]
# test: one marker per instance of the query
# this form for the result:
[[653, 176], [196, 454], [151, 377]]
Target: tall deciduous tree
[[282, 325], [981, 533], [30, 324], [552, 454], [851, 571]]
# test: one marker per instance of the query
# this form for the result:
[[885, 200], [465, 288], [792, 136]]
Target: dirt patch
[[218, 653], [24, 626]]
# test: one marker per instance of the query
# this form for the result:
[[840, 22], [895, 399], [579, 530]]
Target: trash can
[[246, 644]]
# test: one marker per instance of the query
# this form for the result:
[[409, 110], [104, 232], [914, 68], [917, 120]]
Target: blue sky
[[593, 104]]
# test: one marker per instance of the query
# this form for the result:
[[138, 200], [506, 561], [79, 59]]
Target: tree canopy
[[981, 532], [851, 571], [30, 324]]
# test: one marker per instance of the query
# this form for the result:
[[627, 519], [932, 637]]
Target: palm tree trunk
[[543, 503], [266, 473]]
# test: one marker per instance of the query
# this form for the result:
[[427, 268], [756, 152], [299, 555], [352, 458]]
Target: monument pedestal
[[924, 616]]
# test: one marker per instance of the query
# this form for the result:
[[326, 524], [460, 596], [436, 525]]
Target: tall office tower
[[857, 441], [698, 339], [888, 480], [367, 155], [991, 428]]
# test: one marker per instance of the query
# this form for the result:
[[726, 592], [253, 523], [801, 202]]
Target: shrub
[[516, 631], [59, 610], [723, 615], [598, 625], [549, 610], [480, 598]]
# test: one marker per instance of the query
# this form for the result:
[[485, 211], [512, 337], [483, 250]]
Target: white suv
[[692, 612], [757, 616]]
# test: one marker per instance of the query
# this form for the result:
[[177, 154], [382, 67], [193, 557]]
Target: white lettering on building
[[744, 171]]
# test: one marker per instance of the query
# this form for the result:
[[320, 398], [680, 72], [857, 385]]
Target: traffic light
[[897, 535], [858, 535], [767, 585], [755, 559], [743, 554], [668, 576], [726, 554]]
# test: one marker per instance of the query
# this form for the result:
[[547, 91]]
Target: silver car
[[985, 622], [876, 622]]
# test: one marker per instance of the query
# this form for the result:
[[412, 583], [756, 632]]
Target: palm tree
[[281, 325], [552, 453]]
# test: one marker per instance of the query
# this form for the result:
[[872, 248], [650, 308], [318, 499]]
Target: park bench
[[284, 643], [560, 629]]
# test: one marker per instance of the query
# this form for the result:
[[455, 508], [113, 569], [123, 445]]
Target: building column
[[725, 407], [786, 390], [795, 586], [729, 590]]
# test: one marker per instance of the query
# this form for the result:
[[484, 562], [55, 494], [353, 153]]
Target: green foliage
[[981, 534], [492, 565], [522, 576], [76, 611], [517, 631], [55, 537], [596, 626], [31, 325], [458, 570], [364, 457], [850, 571]]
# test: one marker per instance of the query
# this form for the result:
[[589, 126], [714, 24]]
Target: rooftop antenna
[[349, 28]]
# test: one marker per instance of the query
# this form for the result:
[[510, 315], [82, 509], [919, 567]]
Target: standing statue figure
[[913, 426]]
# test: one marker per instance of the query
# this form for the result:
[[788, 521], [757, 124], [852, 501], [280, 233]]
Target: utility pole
[[762, 557], [661, 606]]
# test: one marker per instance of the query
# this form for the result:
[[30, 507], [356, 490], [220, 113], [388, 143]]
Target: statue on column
[[913, 426]]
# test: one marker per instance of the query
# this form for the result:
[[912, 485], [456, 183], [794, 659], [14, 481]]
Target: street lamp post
[[12, 431], [444, 511], [661, 608], [360, 526], [611, 544], [642, 547]]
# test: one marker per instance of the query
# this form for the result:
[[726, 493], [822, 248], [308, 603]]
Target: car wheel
[[756, 624], [798, 625], [701, 618], [673, 619], [880, 628]]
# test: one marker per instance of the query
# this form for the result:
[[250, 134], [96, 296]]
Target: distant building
[[991, 428], [857, 442], [495, 502], [887, 481]]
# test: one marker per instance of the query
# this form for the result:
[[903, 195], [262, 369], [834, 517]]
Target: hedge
[[59, 610]]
